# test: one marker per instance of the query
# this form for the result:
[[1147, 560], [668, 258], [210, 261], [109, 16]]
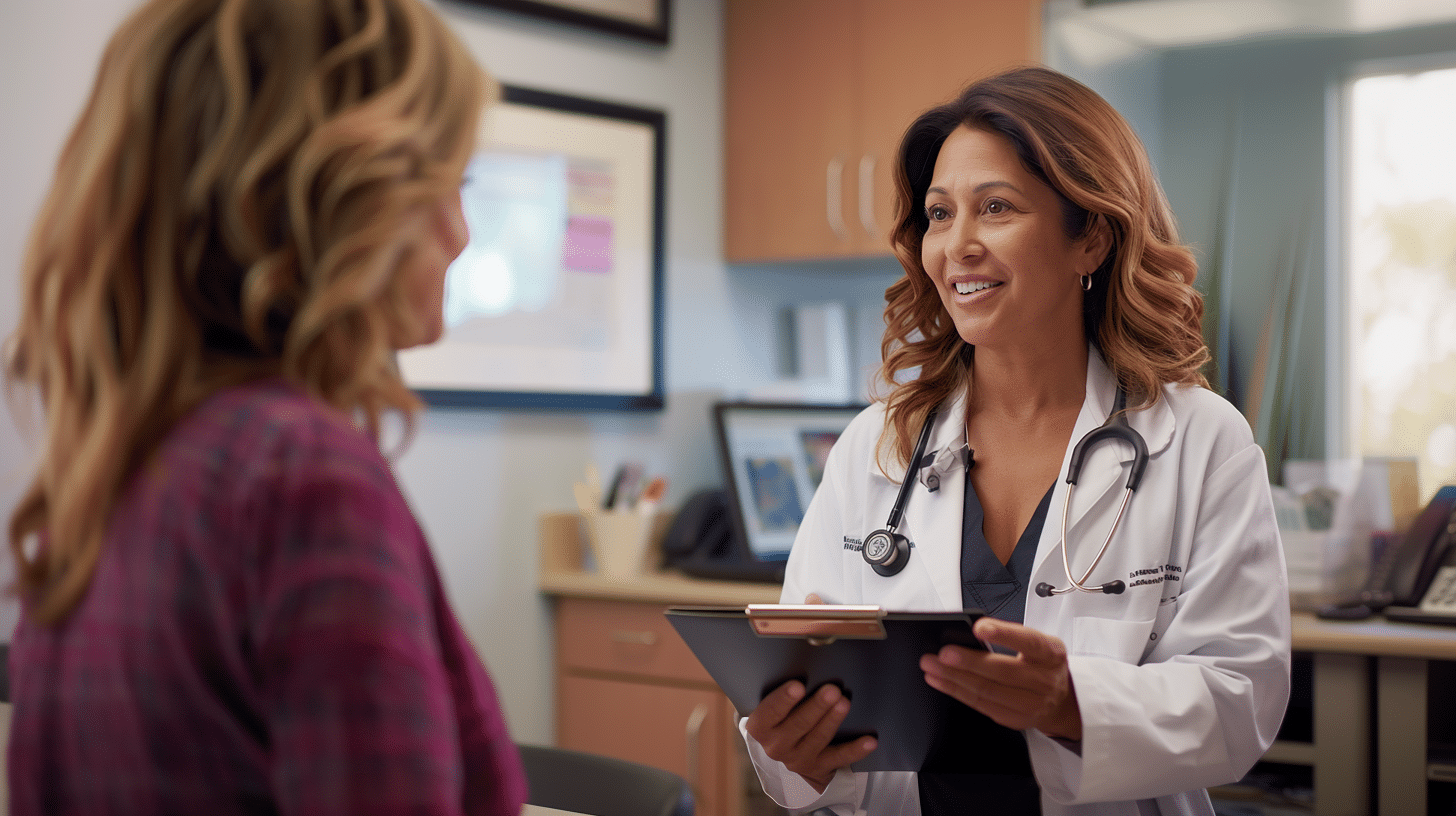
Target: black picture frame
[[434, 371], [655, 28]]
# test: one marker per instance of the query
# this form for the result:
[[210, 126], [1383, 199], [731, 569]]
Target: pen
[[651, 495], [619, 495]]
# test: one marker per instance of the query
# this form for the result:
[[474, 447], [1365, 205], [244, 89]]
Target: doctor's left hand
[[1030, 689]]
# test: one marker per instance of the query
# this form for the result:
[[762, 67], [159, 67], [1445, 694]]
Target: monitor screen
[[773, 458]]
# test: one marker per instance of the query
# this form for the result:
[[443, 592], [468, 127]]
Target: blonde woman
[[228, 606], [1045, 295]]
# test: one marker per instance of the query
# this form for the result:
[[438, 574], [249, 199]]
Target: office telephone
[[700, 543], [1415, 577]]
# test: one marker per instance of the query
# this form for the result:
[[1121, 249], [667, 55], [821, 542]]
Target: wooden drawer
[[623, 638], [689, 731]]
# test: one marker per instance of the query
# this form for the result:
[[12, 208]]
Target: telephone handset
[[700, 542], [1415, 578]]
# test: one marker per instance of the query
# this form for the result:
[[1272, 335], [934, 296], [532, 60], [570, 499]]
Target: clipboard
[[874, 657]]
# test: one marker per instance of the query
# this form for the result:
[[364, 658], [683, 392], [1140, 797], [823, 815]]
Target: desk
[[534, 810], [626, 684], [1358, 664], [1372, 683]]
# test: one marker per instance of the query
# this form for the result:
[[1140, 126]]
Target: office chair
[[602, 786]]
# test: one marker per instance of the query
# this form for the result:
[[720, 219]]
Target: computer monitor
[[773, 457]]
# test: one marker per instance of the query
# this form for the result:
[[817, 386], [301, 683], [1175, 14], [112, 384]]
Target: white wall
[[1124, 71]]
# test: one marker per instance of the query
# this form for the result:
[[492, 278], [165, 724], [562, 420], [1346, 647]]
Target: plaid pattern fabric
[[266, 632]]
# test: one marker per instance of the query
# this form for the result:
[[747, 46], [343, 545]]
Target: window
[[1400, 295]]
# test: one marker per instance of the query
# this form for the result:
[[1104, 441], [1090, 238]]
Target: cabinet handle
[[694, 734], [867, 195], [634, 638], [834, 197]]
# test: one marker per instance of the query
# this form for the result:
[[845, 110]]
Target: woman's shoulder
[[266, 470], [1188, 398], [275, 408], [864, 430], [870, 418], [1202, 412], [271, 425]]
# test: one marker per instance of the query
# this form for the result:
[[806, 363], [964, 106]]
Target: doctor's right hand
[[797, 731]]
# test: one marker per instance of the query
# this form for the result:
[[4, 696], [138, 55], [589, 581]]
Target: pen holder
[[619, 540]]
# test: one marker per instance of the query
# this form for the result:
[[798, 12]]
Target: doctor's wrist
[[1064, 722]]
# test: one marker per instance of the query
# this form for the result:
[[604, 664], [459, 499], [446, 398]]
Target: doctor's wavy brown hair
[[1142, 314], [232, 203]]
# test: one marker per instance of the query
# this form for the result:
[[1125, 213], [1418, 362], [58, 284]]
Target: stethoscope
[[887, 551]]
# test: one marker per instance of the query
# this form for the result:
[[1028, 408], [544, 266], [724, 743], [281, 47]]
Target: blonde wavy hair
[[1142, 314], [231, 204]]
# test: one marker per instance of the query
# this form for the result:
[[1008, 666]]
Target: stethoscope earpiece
[[1046, 590]]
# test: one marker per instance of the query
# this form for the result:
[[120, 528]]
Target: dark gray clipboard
[[918, 728]]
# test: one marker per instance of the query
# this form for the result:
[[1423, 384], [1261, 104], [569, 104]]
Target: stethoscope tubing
[[1116, 427], [1111, 587], [912, 471]]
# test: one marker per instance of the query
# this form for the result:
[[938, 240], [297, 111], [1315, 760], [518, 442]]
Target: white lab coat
[[1182, 680]]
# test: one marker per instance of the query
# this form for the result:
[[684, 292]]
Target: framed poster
[[640, 19], [557, 299]]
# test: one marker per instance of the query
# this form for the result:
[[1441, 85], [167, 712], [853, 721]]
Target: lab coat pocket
[[1121, 640]]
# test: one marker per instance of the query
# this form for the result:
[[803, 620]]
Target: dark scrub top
[[999, 590]]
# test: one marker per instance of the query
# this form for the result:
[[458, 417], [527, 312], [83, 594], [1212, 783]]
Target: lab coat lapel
[[933, 518]]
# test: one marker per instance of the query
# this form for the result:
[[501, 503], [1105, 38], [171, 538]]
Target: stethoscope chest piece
[[886, 552]]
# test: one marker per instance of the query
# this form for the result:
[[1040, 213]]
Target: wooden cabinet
[[628, 687], [818, 93], [626, 684]]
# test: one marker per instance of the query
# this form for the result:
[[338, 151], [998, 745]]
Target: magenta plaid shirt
[[265, 633]]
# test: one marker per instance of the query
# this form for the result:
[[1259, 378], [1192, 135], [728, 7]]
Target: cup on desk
[[620, 536], [619, 540]]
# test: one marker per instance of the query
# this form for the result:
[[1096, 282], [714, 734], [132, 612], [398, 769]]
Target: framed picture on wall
[[557, 299], [640, 19]]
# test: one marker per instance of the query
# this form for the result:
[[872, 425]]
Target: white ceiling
[[1171, 23]]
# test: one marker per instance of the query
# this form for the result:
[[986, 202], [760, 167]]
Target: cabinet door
[[818, 94], [917, 55], [790, 140], [684, 730]]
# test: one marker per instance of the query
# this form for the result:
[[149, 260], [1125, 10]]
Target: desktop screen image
[[775, 494], [776, 455]]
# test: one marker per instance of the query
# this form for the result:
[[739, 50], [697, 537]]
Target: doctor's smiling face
[[996, 246]]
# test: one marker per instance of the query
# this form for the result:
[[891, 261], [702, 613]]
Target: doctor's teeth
[[968, 288]]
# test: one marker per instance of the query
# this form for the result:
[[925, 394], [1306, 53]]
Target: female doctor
[[1044, 286]]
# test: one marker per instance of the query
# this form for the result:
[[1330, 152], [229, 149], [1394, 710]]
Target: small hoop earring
[[1086, 283]]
